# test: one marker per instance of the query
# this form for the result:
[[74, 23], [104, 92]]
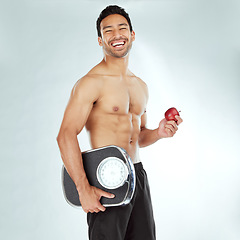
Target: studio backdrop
[[187, 52]]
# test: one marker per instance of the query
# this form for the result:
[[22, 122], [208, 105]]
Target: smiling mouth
[[118, 44]]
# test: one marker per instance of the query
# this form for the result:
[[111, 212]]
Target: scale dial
[[112, 173]]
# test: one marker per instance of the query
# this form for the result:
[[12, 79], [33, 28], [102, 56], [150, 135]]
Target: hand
[[90, 199], [168, 128]]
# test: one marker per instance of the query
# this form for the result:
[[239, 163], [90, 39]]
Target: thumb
[[106, 194]]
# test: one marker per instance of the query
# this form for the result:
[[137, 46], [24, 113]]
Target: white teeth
[[118, 43]]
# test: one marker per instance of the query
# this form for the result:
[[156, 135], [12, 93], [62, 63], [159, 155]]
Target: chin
[[120, 56]]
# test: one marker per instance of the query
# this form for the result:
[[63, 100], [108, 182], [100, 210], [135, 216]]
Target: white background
[[188, 52]]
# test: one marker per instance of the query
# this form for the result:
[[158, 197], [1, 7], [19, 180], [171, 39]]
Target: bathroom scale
[[109, 168]]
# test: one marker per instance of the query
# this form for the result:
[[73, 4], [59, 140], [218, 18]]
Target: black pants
[[131, 222]]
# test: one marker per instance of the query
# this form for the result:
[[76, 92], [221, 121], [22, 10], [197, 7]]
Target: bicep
[[80, 104]]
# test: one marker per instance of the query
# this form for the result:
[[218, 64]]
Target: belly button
[[130, 141]]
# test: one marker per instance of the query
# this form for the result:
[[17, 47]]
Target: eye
[[123, 28], [108, 31]]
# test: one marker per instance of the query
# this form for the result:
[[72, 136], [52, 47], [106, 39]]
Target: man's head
[[112, 9], [115, 32]]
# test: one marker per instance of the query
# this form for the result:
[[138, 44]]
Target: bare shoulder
[[143, 85], [87, 89], [142, 82], [89, 82]]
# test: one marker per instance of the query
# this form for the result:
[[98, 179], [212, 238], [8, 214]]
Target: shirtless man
[[110, 101]]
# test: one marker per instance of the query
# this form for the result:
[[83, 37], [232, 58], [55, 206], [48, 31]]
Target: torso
[[115, 118]]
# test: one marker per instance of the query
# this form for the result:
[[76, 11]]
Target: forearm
[[72, 158], [148, 137]]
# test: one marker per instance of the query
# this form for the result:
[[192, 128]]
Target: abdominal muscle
[[121, 130]]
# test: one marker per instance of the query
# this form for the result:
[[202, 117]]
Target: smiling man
[[110, 101]]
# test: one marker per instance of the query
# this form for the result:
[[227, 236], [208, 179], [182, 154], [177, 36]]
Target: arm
[[166, 129], [85, 92], [147, 136]]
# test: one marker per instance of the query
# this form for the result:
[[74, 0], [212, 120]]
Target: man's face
[[116, 37]]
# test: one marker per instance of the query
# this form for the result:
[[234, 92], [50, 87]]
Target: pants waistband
[[138, 166]]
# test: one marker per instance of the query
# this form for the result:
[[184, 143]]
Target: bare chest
[[122, 98]]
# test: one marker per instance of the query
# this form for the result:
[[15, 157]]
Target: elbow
[[65, 135], [141, 142], [140, 145], [58, 138], [61, 137]]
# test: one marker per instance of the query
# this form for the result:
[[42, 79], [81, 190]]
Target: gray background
[[188, 52]]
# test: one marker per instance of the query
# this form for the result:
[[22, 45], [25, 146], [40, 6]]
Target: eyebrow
[[121, 24]]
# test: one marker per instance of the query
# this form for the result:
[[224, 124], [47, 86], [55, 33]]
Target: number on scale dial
[[112, 173]]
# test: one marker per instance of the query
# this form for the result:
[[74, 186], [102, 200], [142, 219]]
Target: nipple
[[115, 109]]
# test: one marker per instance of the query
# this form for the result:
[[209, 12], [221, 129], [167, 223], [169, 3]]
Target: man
[[110, 101]]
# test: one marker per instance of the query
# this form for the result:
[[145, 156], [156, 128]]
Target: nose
[[116, 33]]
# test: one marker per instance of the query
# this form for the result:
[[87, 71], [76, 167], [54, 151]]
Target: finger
[[106, 194], [85, 210], [179, 120], [169, 132], [173, 123], [97, 210], [175, 126], [170, 128], [101, 208]]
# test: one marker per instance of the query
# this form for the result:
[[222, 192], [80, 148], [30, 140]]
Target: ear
[[100, 41], [133, 35]]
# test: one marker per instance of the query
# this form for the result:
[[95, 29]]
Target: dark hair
[[109, 10]]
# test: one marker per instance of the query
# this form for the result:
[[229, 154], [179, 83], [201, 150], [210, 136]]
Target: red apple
[[171, 113]]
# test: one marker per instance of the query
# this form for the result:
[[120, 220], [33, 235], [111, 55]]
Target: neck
[[118, 66]]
